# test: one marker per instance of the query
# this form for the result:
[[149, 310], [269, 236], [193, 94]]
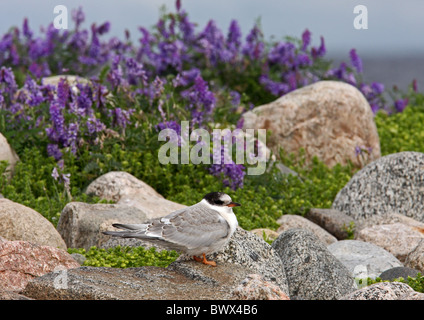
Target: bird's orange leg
[[205, 261]]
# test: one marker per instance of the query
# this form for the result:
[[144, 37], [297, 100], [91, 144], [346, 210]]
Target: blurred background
[[392, 48]]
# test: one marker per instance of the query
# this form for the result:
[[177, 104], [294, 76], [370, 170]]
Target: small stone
[[399, 272], [380, 291], [289, 221], [363, 259], [254, 287], [335, 222], [397, 238]]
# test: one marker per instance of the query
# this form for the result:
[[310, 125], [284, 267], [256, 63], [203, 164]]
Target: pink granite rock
[[21, 261]]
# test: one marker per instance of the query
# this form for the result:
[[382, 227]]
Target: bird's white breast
[[225, 212]]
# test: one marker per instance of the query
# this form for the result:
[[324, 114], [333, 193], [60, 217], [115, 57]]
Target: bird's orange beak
[[233, 204]]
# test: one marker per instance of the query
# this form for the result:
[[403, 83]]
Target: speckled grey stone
[[381, 291], [247, 250], [363, 257], [399, 272], [313, 273], [391, 184]]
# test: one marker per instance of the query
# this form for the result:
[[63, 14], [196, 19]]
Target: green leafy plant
[[126, 257], [416, 283]]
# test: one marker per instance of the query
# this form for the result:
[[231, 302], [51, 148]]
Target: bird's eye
[[219, 202]]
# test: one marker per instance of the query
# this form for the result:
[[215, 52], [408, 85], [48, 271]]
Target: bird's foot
[[205, 261]]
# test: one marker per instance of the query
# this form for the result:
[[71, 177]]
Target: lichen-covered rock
[[381, 291], [183, 279], [328, 119], [313, 273], [247, 250], [21, 261], [397, 238], [363, 257], [254, 287], [391, 184]]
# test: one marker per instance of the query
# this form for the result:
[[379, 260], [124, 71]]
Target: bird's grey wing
[[193, 227]]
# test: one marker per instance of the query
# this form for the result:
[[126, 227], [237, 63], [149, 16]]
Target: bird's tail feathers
[[130, 230], [130, 226]]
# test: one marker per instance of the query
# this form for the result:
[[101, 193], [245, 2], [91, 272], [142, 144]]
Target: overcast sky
[[394, 26]]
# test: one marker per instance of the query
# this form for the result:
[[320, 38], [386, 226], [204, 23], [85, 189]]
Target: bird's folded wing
[[197, 226]]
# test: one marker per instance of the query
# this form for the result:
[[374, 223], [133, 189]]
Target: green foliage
[[416, 283], [126, 257], [401, 131], [350, 229], [32, 185]]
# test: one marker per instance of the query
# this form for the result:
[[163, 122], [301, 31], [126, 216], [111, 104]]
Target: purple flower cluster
[[193, 73], [232, 174]]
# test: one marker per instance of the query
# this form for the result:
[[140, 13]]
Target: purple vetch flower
[[104, 28], [213, 44], [320, 51], [7, 81], [78, 17], [55, 174], [135, 72], [26, 30], [186, 27], [201, 101], [35, 97], [254, 46], [63, 92], [186, 77], [40, 70], [240, 123], [276, 88], [171, 54], [401, 104], [306, 39], [54, 151], [234, 39], [169, 125], [56, 133], [115, 75], [79, 40], [66, 180], [414, 85], [356, 61], [232, 174], [235, 98], [158, 87], [72, 137], [377, 87], [120, 117], [283, 53], [94, 125]]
